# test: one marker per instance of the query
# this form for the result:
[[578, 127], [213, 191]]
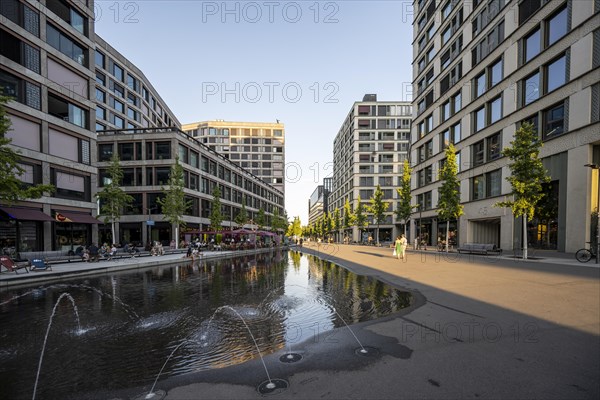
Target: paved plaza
[[480, 327]]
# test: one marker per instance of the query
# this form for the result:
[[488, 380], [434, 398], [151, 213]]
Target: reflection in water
[[284, 298]]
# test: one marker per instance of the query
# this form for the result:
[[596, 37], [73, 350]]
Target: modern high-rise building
[[67, 84], [369, 150], [481, 69], [46, 68], [319, 201], [258, 147]]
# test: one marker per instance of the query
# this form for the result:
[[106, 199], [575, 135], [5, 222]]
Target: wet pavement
[[481, 327]]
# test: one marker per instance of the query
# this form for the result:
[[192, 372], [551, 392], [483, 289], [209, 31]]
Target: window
[[132, 83], [486, 185], [532, 45], [163, 150], [100, 59], [126, 151], [554, 121], [457, 100], [480, 86], [531, 88], [21, 90], [100, 79], [557, 26], [487, 14], [100, 96], [496, 73], [65, 45], [68, 14], [100, 127], [495, 110], [131, 113], [478, 153], [488, 44], [527, 9], [451, 78], [105, 152], [446, 110], [19, 51], [455, 134], [493, 146], [100, 113], [556, 73], [118, 90], [119, 122], [480, 119], [120, 107], [67, 111], [21, 15], [118, 72]]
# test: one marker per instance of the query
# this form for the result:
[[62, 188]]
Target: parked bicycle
[[584, 255]]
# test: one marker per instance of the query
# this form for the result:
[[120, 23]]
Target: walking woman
[[403, 243], [397, 247]]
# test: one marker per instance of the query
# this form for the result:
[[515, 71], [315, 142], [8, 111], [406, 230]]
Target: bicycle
[[584, 255]]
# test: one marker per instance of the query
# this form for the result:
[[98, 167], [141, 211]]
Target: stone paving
[[481, 327]]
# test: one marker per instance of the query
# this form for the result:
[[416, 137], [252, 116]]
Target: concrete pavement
[[480, 327]]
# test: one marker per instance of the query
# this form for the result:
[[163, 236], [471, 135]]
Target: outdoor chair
[[10, 265], [38, 264]]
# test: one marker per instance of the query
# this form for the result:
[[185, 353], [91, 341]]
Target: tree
[[360, 218], [404, 208], [348, 221], [528, 176], [337, 222], [449, 206], [112, 198], [174, 204], [327, 225], [216, 217], [242, 216], [378, 208], [12, 188], [260, 219], [296, 227]]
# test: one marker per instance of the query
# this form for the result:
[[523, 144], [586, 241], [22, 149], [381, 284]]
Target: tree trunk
[[177, 237], [114, 240], [524, 236]]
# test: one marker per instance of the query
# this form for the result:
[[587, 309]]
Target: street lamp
[[597, 168]]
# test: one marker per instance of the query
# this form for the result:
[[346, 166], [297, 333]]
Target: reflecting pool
[[130, 322]]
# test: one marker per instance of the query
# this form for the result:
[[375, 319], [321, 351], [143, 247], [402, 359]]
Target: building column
[[578, 199]]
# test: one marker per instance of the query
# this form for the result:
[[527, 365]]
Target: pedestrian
[[403, 244], [93, 252], [397, 247]]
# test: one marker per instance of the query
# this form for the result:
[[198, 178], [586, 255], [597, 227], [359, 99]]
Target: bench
[[51, 257], [479, 248]]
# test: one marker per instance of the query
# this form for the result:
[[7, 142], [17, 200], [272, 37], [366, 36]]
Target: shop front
[[72, 229], [21, 229]]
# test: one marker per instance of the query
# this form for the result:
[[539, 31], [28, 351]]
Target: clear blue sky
[[304, 63]]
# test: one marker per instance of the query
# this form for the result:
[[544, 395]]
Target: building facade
[[481, 69], [46, 67], [258, 147], [369, 150], [69, 87], [146, 158]]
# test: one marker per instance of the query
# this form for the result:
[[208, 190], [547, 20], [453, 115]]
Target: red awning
[[69, 216], [27, 214]]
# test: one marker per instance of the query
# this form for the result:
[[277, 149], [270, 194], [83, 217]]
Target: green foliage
[[260, 219], [173, 203], [12, 188], [216, 217], [449, 206], [337, 222], [348, 215], [378, 207], [278, 223], [404, 208], [360, 218], [242, 218], [528, 174], [113, 198], [296, 227]]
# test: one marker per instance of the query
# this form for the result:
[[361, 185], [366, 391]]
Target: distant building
[[369, 150], [481, 69], [258, 147]]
